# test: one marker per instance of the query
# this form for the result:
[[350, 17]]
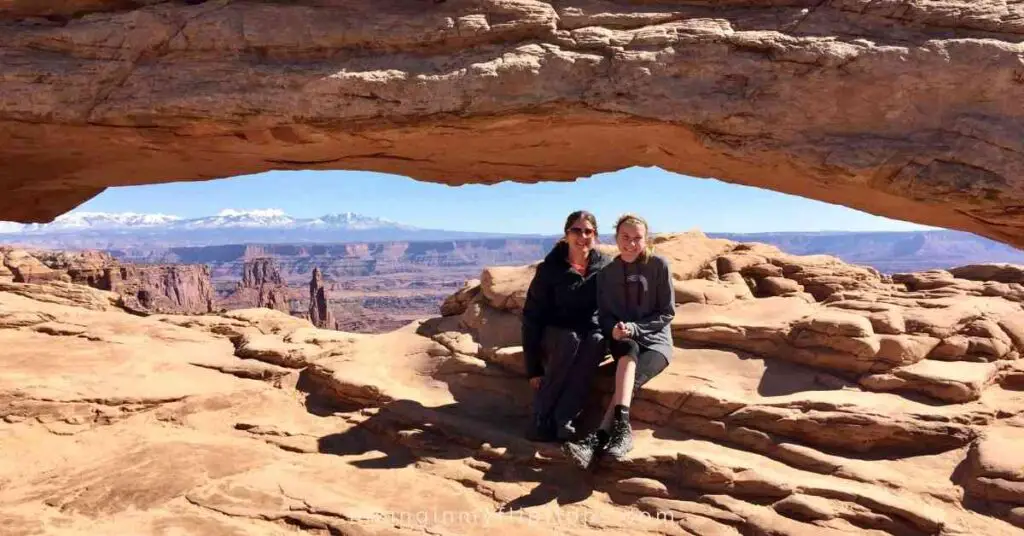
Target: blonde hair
[[635, 219]]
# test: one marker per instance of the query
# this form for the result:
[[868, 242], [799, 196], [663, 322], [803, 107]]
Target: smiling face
[[580, 237], [631, 237]]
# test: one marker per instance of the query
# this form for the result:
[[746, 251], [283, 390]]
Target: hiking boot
[[565, 432], [582, 451], [620, 440]]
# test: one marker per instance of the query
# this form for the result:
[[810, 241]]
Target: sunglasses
[[581, 231]]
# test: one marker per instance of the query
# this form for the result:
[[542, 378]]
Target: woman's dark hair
[[580, 215]]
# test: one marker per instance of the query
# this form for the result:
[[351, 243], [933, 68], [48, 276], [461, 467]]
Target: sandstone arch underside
[[904, 108]]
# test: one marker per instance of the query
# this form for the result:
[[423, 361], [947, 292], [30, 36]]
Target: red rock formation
[[261, 286], [319, 314], [907, 109], [260, 272], [83, 267], [26, 268], [196, 420], [179, 288], [162, 289], [888, 334]]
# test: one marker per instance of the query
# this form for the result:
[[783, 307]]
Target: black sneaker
[[565, 432], [582, 451], [620, 441]]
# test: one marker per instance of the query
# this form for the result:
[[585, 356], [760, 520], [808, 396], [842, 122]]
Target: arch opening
[[371, 252]]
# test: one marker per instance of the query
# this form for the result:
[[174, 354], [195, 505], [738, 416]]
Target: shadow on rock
[[360, 441], [562, 484], [781, 378]]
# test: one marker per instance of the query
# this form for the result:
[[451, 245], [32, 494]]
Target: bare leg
[[625, 373]]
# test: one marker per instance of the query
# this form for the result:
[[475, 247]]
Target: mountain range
[[102, 230], [153, 236]]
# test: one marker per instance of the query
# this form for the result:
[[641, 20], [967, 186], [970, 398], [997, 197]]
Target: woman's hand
[[620, 331], [535, 382]]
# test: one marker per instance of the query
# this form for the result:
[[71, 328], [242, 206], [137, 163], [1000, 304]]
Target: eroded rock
[[380, 86], [279, 423]]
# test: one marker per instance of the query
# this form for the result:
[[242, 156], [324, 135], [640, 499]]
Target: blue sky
[[670, 202]]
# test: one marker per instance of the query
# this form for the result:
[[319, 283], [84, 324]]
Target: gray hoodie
[[641, 295]]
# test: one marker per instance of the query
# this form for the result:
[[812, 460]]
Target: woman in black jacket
[[562, 341]]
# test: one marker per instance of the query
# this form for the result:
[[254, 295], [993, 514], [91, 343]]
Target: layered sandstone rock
[[6, 275], [260, 272], [183, 289], [1005, 282], [60, 293], [256, 422], [261, 286], [814, 310], [456, 303], [319, 314], [915, 110], [83, 267], [994, 475], [26, 268], [179, 288], [1000, 273]]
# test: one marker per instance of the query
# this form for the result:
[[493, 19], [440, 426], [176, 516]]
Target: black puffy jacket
[[559, 296]]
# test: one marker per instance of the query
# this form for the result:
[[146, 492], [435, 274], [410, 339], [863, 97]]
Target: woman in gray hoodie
[[636, 304]]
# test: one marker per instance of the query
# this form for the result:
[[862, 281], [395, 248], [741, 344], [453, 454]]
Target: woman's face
[[580, 237], [632, 240]]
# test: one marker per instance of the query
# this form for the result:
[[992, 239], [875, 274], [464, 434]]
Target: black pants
[[649, 363], [570, 363]]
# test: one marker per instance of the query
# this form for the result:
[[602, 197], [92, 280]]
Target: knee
[[623, 348], [569, 336], [593, 341], [559, 335]]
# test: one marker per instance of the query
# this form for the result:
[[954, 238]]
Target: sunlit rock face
[[824, 399], [906, 109]]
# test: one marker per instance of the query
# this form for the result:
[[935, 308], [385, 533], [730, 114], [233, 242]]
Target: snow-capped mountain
[[227, 218], [351, 220], [229, 226], [73, 221]]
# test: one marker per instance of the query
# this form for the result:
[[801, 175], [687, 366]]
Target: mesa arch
[[902, 108]]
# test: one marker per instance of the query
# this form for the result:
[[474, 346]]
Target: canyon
[[376, 287], [370, 287]]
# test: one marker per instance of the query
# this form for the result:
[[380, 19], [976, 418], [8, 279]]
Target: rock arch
[[902, 108]]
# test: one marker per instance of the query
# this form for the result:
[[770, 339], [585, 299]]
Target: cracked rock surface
[[254, 422], [903, 108]]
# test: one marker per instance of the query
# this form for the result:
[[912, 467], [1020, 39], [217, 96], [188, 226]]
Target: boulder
[[456, 304], [777, 286], [505, 287]]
